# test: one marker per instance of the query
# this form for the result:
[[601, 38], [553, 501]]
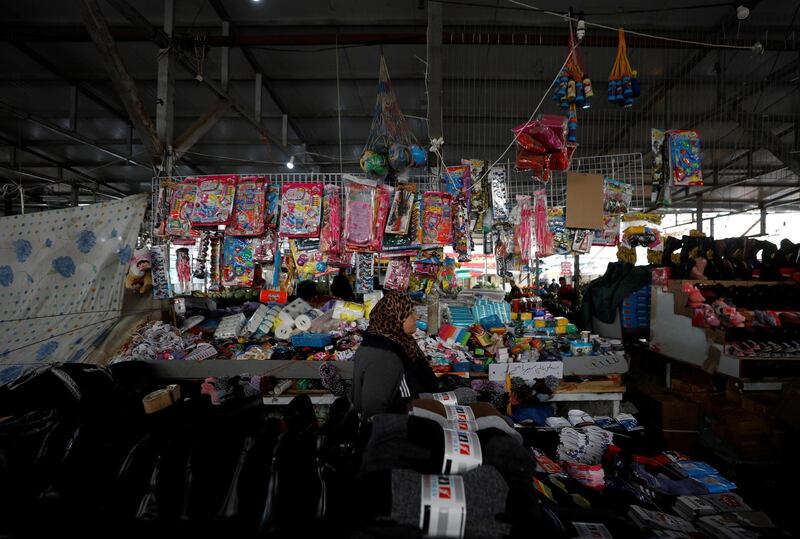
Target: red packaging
[[530, 161], [528, 143]]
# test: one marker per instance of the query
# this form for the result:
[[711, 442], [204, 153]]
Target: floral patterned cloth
[[61, 279]]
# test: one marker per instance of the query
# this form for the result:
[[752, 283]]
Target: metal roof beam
[[124, 84], [199, 128]]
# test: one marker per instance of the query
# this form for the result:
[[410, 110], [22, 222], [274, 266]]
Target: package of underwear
[[178, 222], [213, 205], [248, 207], [238, 267], [301, 209]]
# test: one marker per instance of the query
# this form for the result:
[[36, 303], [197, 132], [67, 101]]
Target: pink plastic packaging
[[359, 214], [301, 209], [383, 194], [214, 203], [248, 207]]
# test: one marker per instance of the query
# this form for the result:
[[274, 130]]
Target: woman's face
[[410, 323]]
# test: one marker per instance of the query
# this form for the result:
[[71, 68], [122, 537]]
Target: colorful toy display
[[238, 268], [178, 222], [683, 149], [437, 218], [359, 215], [248, 207], [301, 209], [214, 200]]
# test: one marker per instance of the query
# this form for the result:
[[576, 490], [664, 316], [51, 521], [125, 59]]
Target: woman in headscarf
[[390, 369]]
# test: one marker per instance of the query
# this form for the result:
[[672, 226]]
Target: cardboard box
[[667, 410]]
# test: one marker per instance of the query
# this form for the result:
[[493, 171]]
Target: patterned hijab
[[387, 318]]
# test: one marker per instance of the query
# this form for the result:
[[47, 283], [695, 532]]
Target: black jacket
[[385, 379]]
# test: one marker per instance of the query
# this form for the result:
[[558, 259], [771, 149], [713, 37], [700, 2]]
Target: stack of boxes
[[636, 309]]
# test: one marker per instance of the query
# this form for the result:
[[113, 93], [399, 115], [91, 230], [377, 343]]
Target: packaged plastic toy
[[248, 207], [412, 239], [264, 247], [238, 268], [183, 199], [401, 209], [544, 239], [556, 221], [617, 196], [683, 148], [359, 214], [608, 236], [398, 273], [522, 234], [214, 202], [301, 209], [499, 194], [308, 258], [365, 272], [331, 234], [383, 194], [437, 218], [273, 207]]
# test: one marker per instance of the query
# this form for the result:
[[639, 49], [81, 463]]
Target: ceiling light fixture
[[742, 12], [290, 163]]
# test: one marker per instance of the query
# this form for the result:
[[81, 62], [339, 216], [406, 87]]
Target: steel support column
[[434, 70], [165, 101]]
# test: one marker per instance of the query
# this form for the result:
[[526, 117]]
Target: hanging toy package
[[437, 218], [476, 168], [365, 272], [398, 274], [497, 184], [504, 249], [522, 234], [215, 262], [308, 258], [159, 257], [183, 199], [683, 148], [617, 196], [544, 239], [608, 236], [623, 84], [248, 207], [556, 222], [272, 206], [238, 268], [183, 268], [412, 239], [359, 213], [331, 234], [264, 247], [301, 209], [462, 238], [582, 241], [161, 211], [401, 209], [458, 182], [657, 137], [214, 202], [202, 256], [383, 194]]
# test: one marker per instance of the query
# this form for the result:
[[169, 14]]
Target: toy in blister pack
[[582, 241], [331, 233], [683, 148], [214, 202], [522, 234], [183, 268], [308, 258], [264, 247], [401, 209], [556, 222], [617, 196], [215, 264], [608, 236], [462, 239], [398, 273], [359, 215], [238, 268], [437, 218], [412, 239], [383, 194], [180, 211], [161, 211], [657, 137], [248, 207], [365, 272], [499, 194], [476, 168], [301, 209], [504, 249], [458, 182], [541, 228], [272, 206], [159, 257], [446, 277]]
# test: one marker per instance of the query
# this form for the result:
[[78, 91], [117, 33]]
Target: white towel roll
[[283, 332], [304, 320]]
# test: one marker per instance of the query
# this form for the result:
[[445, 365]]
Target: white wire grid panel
[[626, 167]]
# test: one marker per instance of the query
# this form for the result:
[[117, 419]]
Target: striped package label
[[462, 451], [444, 506]]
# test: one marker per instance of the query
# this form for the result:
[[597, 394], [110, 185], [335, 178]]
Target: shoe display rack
[[761, 362]]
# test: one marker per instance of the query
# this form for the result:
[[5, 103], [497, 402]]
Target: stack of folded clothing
[[486, 416]]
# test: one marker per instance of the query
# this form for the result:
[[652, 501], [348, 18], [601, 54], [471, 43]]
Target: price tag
[[444, 506]]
